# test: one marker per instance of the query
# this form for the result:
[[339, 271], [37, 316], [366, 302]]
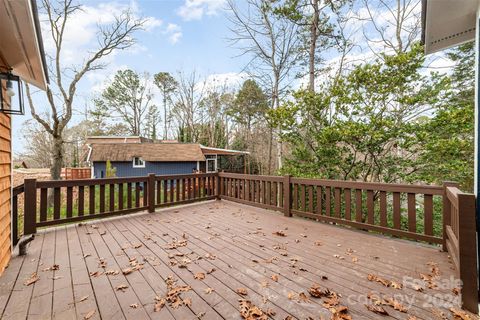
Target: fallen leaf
[[459, 314], [279, 233], [121, 287], [242, 291], [209, 290], [95, 274], [89, 315], [159, 304], [52, 268], [199, 276], [134, 305], [112, 272], [376, 309], [274, 277], [33, 278]]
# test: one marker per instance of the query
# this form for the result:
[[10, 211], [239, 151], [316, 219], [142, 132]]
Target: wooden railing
[[186, 188], [261, 191], [368, 206], [435, 214], [48, 203], [460, 240]]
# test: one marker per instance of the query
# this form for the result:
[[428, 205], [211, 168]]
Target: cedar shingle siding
[[126, 169]]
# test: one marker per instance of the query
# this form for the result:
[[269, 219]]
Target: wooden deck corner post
[[151, 192], [467, 247], [446, 212], [286, 196], [30, 207]]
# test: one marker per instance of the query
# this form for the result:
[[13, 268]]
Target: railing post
[[286, 196], [446, 212], [467, 245], [151, 192], [30, 207], [217, 184]]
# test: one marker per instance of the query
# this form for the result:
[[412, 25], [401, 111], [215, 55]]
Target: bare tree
[[395, 25], [112, 37], [272, 46], [190, 92]]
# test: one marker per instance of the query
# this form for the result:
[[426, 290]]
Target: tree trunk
[[165, 133], [57, 158], [313, 45]]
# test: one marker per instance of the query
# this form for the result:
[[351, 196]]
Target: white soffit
[[447, 23], [20, 42]]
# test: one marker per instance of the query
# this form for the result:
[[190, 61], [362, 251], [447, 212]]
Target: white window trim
[[206, 164], [138, 166]]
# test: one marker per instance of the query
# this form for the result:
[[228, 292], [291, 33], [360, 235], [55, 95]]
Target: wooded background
[[321, 98]]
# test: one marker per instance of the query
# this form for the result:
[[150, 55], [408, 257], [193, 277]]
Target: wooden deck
[[197, 257]]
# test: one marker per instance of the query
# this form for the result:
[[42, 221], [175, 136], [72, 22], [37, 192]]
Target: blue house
[[137, 156]]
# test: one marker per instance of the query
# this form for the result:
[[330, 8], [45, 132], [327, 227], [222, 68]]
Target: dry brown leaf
[[199, 276], [242, 291], [52, 268], [134, 305], [459, 314], [95, 273], [385, 282], [279, 233], [121, 287], [112, 272], [159, 305], [209, 290], [376, 309], [302, 297], [33, 278], [249, 311], [187, 302], [89, 315], [274, 277]]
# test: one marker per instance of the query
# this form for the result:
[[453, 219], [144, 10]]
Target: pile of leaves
[[173, 296]]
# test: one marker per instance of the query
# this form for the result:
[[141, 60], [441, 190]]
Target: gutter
[[424, 22], [38, 31]]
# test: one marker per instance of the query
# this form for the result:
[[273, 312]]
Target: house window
[[138, 162], [211, 163]]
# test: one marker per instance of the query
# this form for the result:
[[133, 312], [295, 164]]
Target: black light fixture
[[11, 94]]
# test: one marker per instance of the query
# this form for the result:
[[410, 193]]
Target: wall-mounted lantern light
[[11, 94]]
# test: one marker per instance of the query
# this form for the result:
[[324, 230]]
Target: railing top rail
[[250, 177], [18, 189], [87, 182], [184, 176], [375, 186]]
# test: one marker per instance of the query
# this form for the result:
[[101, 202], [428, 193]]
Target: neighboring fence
[[460, 241], [76, 173]]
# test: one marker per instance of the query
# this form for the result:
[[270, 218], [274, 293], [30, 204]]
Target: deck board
[[234, 245]]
